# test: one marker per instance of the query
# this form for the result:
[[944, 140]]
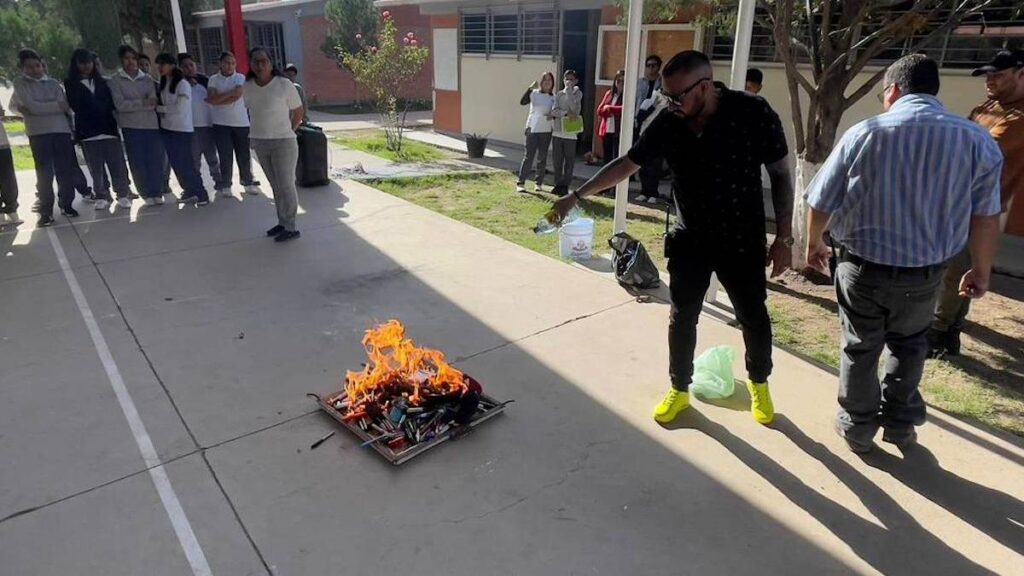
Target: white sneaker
[[252, 190], [520, 188], [102, 204], [159, 200], [151, 201], [641, 198], [124, 203], [224, 193], [652, 200]]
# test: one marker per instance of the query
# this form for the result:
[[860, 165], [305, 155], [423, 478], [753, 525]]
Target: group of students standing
[[161, 125]]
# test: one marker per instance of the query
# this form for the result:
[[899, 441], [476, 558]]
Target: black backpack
[[633, 266]]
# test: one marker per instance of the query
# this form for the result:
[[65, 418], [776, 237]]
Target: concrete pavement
[[217, 333]]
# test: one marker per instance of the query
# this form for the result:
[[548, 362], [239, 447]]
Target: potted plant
[[476, 144]]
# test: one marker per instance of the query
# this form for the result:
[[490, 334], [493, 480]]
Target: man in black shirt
[[715, 141]]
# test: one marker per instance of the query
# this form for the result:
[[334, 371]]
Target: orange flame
[[398, 367]]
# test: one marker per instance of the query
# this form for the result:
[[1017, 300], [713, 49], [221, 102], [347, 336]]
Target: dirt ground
[[985, 383]]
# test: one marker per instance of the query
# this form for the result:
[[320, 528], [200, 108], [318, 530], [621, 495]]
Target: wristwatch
[[787, 241]]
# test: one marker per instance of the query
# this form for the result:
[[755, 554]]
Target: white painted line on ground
[[182, 527]]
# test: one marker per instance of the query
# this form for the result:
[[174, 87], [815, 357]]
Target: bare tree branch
[[863, 90], [783, 31], [812, 32]]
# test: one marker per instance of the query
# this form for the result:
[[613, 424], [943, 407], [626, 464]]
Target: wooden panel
[[613, 53], [668, 43]]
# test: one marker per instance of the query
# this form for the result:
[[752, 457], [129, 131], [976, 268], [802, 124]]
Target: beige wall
[[960, 93], [490, 94]]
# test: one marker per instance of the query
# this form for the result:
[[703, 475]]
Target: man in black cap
[[1002, 114]]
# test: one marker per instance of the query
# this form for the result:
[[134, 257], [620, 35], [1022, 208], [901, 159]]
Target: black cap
[[1003, 60]]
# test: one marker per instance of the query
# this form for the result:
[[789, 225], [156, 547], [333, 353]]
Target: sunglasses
[[677, 99]]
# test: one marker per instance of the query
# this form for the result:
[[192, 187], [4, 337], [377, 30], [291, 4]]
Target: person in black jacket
[[96, 129]]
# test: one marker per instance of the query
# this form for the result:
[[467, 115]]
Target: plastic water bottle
[[549, 223]]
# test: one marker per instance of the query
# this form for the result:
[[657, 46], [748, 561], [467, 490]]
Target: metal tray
[[483, 414]]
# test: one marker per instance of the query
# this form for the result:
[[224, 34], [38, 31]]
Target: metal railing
[[520, 31]]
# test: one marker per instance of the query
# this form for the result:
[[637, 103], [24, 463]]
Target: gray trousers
[[102, 156], [278, 158], [204, 145], [950, 309], [883, 308], [54, 155], [537, 144], [564, 154]]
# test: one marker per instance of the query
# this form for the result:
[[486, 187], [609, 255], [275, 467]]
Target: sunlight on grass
[[23, 158], [375, 143], [948, 387], [14, 128], [490, 202]]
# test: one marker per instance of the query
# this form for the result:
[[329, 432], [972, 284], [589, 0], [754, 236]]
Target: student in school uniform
[[134, 97], [204, 144], [231, 125], [175, 110], [96, 129], [42, 103]]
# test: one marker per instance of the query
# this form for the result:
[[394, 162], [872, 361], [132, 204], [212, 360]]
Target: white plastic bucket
[[576, 239]]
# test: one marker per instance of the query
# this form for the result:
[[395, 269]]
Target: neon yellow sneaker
[[761, 402], [675, 402]]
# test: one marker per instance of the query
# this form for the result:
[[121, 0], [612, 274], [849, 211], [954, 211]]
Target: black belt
[[926, 271]]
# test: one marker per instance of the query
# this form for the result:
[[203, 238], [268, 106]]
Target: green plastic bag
[[572, 125], [712, 373]]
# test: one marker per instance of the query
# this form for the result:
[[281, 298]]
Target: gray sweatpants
[[564, 155], [278, 158], [883, 308], [205, 145], [537, 144], [102, 156]]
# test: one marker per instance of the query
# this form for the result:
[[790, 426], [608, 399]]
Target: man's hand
[[780, 257], [817, 255], [563, 205], [974, 284]]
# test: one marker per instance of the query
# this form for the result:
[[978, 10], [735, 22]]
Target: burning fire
[[397, 367]]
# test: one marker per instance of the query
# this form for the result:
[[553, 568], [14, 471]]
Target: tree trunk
[[805, 172]]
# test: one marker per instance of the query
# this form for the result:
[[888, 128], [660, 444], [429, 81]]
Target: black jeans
[[882, 307], [233, 142], [741, 272], [8, 183]]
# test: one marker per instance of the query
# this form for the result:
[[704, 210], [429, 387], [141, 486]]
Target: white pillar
[[179, 28], [633, 34], [737, 81]]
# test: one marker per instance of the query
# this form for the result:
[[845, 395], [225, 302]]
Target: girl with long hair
[[176, 129], [541, 98]]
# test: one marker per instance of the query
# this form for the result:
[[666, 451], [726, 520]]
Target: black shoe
[[69, 212], [902, 438], [275, 230], [287, 235], [44, 221], [203, 202], [953, 343], [941, 344], [855, 446]]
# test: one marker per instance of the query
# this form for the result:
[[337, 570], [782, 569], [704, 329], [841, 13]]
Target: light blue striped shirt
[[902, 186]]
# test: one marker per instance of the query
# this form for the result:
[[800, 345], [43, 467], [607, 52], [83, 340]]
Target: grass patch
[[374, 142], [366, 108], [14, 128], [490, 203], [23, 158]]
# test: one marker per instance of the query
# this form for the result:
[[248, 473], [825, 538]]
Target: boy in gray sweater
[[42, 103]]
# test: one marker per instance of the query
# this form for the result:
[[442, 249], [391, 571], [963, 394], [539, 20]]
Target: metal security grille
[[211, 44], [519, 31], [974, 41], [271, 37]]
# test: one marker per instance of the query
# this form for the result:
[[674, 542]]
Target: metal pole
[[737, 81], [235, 27], [179, 28], [633, 33], [741, 48]]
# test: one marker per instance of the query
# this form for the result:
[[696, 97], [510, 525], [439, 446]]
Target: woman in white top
[[276, 112], [176, 129], [541, 99], [230, 125]]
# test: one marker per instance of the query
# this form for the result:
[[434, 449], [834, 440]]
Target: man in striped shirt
[[901, 194]]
